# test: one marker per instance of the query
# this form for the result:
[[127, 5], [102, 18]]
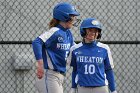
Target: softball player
[[92, 61], [52, 47]]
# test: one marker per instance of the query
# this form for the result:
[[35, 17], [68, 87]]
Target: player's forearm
[[111, 80], [40, 62], [40, 68]]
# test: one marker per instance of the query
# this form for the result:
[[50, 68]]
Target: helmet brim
[[92, 27], [74, 13]]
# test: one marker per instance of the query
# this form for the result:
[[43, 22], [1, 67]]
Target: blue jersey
[[90, 61], [53, 47]]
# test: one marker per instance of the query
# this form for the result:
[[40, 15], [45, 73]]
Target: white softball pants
[[103, 89], [54, 81]]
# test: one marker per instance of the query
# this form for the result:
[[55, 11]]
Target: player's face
[[70, 23], [91, 34]]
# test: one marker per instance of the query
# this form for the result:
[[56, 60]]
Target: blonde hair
[[53, 23]]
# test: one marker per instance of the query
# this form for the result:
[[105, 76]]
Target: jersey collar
[[93, 43]]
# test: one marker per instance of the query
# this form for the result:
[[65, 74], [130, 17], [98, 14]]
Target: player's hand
[[114, 91], [40, 69], [73, 90]]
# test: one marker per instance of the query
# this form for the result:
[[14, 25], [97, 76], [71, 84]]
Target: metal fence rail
[[21, 21]]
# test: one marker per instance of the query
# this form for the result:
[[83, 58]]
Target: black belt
[[91, 86], [61, 72]]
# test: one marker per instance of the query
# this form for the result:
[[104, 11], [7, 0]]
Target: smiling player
[[92, 61]]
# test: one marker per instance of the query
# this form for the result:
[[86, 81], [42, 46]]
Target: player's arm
[[111, 80], [74, 73], [37, 45], [109, 71]]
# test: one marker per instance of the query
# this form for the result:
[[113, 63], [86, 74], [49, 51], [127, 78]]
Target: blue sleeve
[[107, 64], [74, 72], [108, 60], [73, 60], [37, 45], [111, 79]]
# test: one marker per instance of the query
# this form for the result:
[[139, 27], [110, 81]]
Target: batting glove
[[73, 90], [114, 91]]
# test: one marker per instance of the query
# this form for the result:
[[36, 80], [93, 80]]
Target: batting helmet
[[90, 23], [62, 12]]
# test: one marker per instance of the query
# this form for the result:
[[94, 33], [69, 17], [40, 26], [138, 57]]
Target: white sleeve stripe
[[48, 34], [106, 81], [110, 58], [109, 53], [76, 79]]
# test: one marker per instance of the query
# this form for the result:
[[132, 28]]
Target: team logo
[[79, 52], [73, 8], [95, 22], [99, 50], [60, 39]]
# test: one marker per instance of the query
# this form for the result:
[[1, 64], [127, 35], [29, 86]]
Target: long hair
[[53, 23]]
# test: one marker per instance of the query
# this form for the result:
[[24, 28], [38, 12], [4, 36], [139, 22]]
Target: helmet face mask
[[63, 12], [90, 23]]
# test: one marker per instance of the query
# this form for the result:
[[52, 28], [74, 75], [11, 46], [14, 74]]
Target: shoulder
[[48, 34], [102, 45], [76, 46], [50, 31], [53, 29]]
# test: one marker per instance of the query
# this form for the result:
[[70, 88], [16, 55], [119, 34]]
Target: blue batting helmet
[[90, 23], [62, 12]]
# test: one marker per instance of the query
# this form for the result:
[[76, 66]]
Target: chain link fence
[[21, 21]]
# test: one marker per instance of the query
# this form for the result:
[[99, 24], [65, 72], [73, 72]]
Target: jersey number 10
[[89, 69]]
